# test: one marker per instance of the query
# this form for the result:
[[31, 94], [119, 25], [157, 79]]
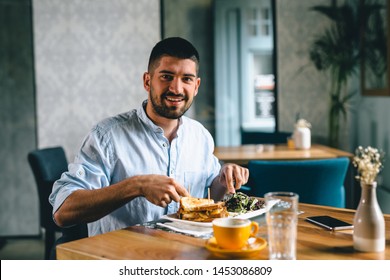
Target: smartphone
[[329, 223]]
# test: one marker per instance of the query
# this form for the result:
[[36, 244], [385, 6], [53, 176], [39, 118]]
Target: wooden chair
[[316, 181]]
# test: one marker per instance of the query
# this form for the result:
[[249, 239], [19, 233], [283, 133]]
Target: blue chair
[[47, 165], [316, 181]]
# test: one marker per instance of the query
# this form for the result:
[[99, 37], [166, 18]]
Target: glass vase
[[369, 223]]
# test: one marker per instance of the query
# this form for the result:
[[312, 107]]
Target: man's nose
[[176, 86]]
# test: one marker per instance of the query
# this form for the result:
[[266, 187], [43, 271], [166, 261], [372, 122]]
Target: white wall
[[90, 56]]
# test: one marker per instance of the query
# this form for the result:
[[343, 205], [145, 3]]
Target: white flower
[[369, 162]]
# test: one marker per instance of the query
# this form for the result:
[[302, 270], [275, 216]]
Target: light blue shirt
[[131, 144]]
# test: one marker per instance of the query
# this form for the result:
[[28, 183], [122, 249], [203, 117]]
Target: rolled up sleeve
[[89, 171]]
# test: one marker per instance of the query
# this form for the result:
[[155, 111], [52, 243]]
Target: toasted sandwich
[[201, 209]]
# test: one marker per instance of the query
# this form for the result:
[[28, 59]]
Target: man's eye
[[188, 79], [166, 77]]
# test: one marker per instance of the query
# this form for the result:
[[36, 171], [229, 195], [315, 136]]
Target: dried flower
[[369, 162], [303, 123]]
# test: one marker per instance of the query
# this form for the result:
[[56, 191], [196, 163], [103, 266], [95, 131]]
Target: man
[[134, 167]]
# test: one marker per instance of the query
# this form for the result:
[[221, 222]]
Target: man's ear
[[146, 79], [197, 86]]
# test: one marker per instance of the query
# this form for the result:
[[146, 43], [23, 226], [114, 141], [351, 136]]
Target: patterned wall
[[300, 86], [90, 56]]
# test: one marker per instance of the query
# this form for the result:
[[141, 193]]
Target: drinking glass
[[282, 219]]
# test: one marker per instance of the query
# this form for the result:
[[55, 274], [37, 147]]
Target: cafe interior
[[264, 65]]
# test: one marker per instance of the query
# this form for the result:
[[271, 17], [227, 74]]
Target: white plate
[[251, 214], [172, 217]]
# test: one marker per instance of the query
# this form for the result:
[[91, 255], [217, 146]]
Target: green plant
[[338, 50]]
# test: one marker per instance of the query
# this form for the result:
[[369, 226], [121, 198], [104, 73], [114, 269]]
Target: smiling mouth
[[175, 99]]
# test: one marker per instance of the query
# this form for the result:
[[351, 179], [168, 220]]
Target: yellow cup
[[233, 233]]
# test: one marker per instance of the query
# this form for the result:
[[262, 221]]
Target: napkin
[[197, 231]]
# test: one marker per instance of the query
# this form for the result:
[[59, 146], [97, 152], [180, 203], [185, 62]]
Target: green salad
[[241, 203]]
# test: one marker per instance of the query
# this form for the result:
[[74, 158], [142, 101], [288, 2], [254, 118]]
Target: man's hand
[[233, 176], [160, 189]]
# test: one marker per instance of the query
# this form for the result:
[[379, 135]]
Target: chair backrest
[[316, 181], [47, 166]]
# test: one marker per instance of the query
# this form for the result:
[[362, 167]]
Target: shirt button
[[164, 145]]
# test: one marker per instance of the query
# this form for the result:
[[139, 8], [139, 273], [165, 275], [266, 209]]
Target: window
[[245, 69]]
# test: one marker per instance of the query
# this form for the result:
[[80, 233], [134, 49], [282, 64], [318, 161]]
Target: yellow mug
[[233, 233]]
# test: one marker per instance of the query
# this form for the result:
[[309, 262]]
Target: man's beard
[[171, 112]]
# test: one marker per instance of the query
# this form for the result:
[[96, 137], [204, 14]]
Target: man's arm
[[84, 206]]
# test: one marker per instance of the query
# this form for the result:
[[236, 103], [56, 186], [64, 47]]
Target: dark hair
[[175, 47]]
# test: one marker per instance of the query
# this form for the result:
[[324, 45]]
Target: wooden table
[[243, 154], [141, 243]]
